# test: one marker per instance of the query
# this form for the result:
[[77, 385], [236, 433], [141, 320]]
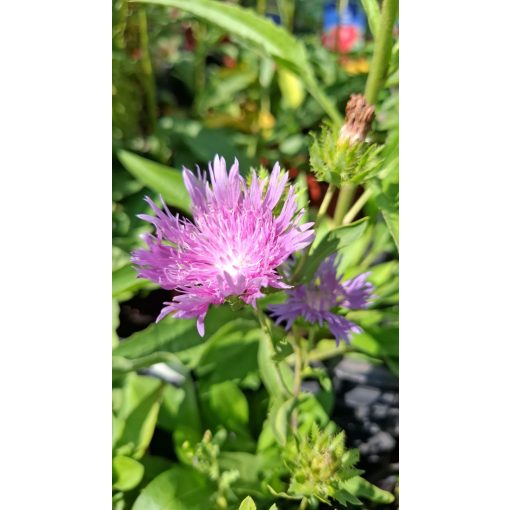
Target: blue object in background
[[331, 17], [344, 31], [274, 17], [353, 15]]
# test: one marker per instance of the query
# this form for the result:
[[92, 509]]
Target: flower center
[[319, 300], [231, 263]]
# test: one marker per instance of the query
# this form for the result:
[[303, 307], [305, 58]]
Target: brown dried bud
[[358, 119]]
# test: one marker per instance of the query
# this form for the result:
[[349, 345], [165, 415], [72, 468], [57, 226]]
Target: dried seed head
[[358, 119]]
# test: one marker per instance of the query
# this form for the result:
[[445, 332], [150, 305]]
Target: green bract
[[320, 465], [339, 162]]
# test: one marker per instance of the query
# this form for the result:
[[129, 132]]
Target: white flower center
[[231, 263]]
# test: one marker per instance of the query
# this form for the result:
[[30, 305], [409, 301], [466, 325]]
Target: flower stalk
[[356, 207], [344, 201], [382, 52], [148, 74]]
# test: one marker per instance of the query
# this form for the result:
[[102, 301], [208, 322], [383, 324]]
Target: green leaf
[[138, 415], [247, 504], [125, 283], [181, 416], [231, 353], [178, 336], [344, 497], [279, 416], [115, 322], [169, 335], [161, 179], [276, 376], [127, 473], [121, 365], [311, 412], [331, 243], [260, 33], [154, 466], [179, 488], [360, 487], [373, 13], [246, 464], [225, 404], [389, 209]]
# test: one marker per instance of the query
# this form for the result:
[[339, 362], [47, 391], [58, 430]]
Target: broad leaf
[[231, 353], [127, 473], [162, 179], [138, 415], [224, 404], [178, 336], [179, 488], [247, 504]]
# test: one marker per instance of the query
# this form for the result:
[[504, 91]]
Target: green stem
[[323, 209], [287, 8], [356, 207], [344, 202], [382, 51], [298, 364], [261, 7], [199, 65], [304, 504], [148, 75], [263, 320]]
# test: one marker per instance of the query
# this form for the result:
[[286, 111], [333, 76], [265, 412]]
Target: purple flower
[[232, 247], [314, 301]]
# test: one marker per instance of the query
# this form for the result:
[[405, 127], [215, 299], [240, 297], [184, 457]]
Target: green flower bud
[[345, 157]]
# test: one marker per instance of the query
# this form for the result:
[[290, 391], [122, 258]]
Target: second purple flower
[[316, 301]]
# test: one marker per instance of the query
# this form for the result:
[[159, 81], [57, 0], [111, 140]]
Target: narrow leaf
[[161, 179], [373, 13], [360, 487], [331, 243]]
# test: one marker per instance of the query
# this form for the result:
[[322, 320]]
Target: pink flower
[[232, 247]]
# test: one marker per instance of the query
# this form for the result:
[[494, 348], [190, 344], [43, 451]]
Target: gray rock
[[361, 396]]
